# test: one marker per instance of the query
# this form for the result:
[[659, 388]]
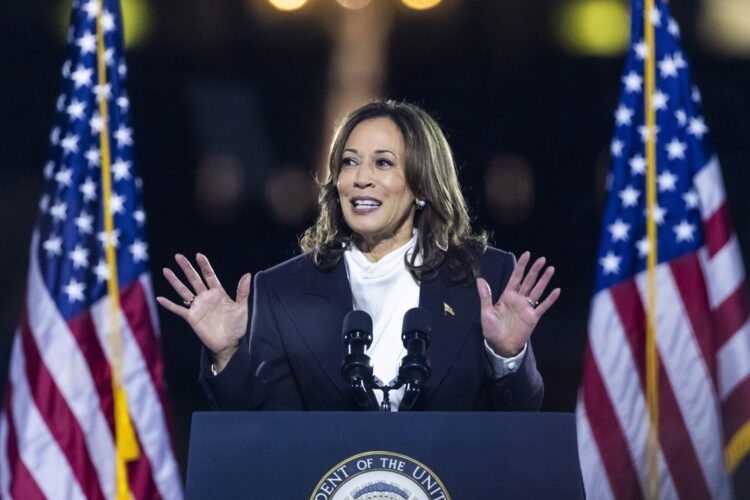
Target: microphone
[[356, 369], [415, 367]]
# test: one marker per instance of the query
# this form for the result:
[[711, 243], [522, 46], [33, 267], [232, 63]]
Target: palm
[[507, 325]]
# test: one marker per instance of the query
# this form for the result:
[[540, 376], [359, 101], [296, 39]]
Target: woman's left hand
[[507, 325]]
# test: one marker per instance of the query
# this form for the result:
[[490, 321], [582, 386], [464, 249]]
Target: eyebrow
[[377, 151]]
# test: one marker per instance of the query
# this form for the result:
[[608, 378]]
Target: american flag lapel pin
[[447, 309]]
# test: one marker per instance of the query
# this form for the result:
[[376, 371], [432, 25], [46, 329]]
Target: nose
[[362, 177]]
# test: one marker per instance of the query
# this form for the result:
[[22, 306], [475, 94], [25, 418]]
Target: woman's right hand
[[219, 321]]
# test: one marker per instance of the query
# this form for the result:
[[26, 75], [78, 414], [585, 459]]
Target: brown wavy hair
[[445, 238]]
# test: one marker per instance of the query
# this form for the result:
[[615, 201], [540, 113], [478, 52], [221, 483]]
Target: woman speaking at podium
[[393, 233]]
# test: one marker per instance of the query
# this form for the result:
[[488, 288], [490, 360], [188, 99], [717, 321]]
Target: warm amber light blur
[[420, 4], [288, 5], [595, 27], [354, 4]]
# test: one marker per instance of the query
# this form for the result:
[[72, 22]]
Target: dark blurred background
[[232, 103]]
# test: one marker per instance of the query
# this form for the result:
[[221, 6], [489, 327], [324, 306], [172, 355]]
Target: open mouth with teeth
[[365, 205]]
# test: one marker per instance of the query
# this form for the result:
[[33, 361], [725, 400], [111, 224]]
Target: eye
[[348, 161], [383, 162]]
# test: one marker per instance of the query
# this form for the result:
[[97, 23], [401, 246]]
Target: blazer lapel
[[453, 307], [317, 305]]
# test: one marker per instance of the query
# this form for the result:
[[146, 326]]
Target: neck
[[374, 250]]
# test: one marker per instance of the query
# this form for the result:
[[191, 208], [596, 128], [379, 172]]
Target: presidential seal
[[381, 475]]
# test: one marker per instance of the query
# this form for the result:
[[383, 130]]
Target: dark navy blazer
[[291, 358]]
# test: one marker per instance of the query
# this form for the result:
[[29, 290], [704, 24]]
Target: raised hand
[[508, 324], [219, 321]]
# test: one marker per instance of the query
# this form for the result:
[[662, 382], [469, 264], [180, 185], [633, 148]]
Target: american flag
[[57, 426], [702, 328]]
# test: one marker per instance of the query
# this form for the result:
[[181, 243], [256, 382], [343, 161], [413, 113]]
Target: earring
[[420, 204]]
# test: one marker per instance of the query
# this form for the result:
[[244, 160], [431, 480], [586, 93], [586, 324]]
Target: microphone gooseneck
[[356, 368], [415, 367]]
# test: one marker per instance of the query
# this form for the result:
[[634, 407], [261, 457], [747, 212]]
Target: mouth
[[364, 205]]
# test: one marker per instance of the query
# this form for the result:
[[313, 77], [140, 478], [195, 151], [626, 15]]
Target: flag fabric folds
[[701, 316], [77, 342]]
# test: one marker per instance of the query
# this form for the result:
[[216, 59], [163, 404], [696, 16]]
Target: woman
[[393, 233]]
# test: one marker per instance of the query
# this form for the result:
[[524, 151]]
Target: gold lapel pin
[[448, 309]]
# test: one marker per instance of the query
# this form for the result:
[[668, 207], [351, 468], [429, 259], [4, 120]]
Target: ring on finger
[[533, 303], [189, 302]]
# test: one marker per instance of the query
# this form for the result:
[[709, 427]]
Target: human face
[[377, 203]]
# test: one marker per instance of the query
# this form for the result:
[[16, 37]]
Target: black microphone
[[415, 367], [356, 369]]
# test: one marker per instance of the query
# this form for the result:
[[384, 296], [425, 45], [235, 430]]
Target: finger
[[485, 294], [541, 285], [243, 288], [190, 273], [208, 272], [547, 303], [172, 307], [515, 277], [184, 292], [531, 277]]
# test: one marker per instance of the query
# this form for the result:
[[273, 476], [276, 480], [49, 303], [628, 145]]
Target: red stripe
[[60, 420], [135, 308], [22, 484], [674, 436], [688, 276], [83, 330], [609, 437], [717, 230], [735, 409], [141, 478], [731, 315]]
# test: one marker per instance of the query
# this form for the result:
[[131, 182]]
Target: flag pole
[[126, 446], [652, 368]]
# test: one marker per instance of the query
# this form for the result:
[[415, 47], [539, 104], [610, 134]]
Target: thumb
[[485, 294], [243, 289]]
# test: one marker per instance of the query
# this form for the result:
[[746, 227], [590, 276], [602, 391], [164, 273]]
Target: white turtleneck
[[386, 290]]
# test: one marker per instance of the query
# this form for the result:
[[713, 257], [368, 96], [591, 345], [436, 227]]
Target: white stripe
[[595, 479], [710, 188], [689, 379], [37, 448], [144, 404], [620, 376], [733, 361], [148, 290], [4, 460], [61, 355], [724, 273]]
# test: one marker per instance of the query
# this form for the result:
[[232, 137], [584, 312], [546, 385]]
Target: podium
[[363, 455]]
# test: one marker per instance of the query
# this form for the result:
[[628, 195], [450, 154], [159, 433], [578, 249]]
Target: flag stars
[[610, 263], [667, 67], [659, 100], [629, 196], [91, 8], [88, 189], [139, 216], [49, 169], [87, 43], [673, 28], [124, 136], [82, 76], [697, 127], [676, 149], [121, 169], [655, 16], [695, 95], [684, 231], [632, 82], [64, 177], [117, 203], [666, 181], [616, 147], [139, 249], [101, 270], [103, 92], [59, 211], [691, 199], [93, 157], [659, 214], [44, 203], [623, 115], [108, 21], [75, 109], [66, 69], [641, 50], [85, 222], [74, 291], [60, 103], [53, 245], [70, 144], [679, 60], [54, 136], [123, 102], [644, 247], [79, 256], [96, 123], [109, 239], [681, 117], [619, 230], [637, 165]]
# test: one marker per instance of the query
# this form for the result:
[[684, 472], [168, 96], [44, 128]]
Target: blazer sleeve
[[259, 376], [523, 389]]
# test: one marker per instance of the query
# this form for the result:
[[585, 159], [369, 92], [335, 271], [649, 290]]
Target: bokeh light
[[725, 25], [288, 5], [509, 188], [421, 4], [354, 4], [594, 27]]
